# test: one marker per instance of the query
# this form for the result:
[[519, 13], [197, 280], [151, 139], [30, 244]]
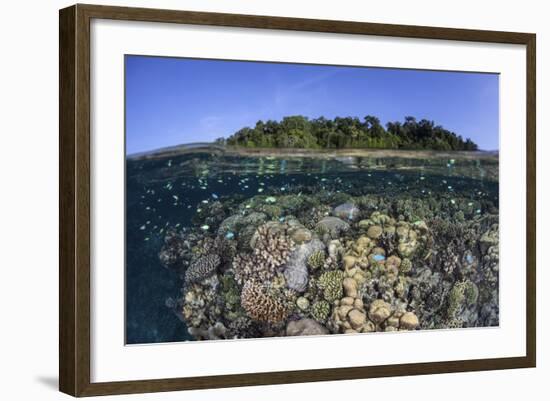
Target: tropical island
[[348, 133]]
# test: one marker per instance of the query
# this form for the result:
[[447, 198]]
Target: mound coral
[[305, 327], [202, 268], [295, 270]]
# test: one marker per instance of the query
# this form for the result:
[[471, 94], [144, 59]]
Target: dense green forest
[[348, 132]]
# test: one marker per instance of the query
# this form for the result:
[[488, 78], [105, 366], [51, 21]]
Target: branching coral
[[320, 311], [262, 305], [177, 249], [331, 284], [316, 260], [463, 293], [271, 249]]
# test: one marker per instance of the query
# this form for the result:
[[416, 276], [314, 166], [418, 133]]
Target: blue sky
[[170, 101]]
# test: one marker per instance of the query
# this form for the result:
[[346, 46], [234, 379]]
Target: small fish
[[175, 197], [142, 227], [260, 190], [229, 235], [205, 227], [205, 201], [215, 196]]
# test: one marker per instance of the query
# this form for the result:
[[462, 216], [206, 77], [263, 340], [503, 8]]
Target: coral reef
[[302, 261]]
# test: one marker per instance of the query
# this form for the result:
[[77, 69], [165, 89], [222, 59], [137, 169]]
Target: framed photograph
[[250, 200]]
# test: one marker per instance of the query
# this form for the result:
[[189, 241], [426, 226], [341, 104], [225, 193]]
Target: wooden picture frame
[[74, 203]]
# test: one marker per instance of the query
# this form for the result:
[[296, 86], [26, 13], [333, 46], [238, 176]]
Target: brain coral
[[202, 268], [261, 305]]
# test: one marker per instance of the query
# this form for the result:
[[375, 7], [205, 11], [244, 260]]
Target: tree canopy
[[348, 132]]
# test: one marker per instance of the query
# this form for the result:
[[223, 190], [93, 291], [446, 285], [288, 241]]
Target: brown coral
[[261, 305], [271, 250], [202, 268]]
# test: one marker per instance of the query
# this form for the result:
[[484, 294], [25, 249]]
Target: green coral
[[320, 311], [272, 211], [406, 265], [230, 291], [321, 230], [331, 284], [463, 293], [455, 300], [316, 260], [471, 292]]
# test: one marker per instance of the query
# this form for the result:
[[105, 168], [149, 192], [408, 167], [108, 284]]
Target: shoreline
[[312, 153]]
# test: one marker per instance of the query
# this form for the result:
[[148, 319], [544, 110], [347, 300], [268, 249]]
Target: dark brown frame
[[74, 199]]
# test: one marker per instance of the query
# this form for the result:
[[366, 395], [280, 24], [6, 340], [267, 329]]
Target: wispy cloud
[[209, 123], [306, 90]]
